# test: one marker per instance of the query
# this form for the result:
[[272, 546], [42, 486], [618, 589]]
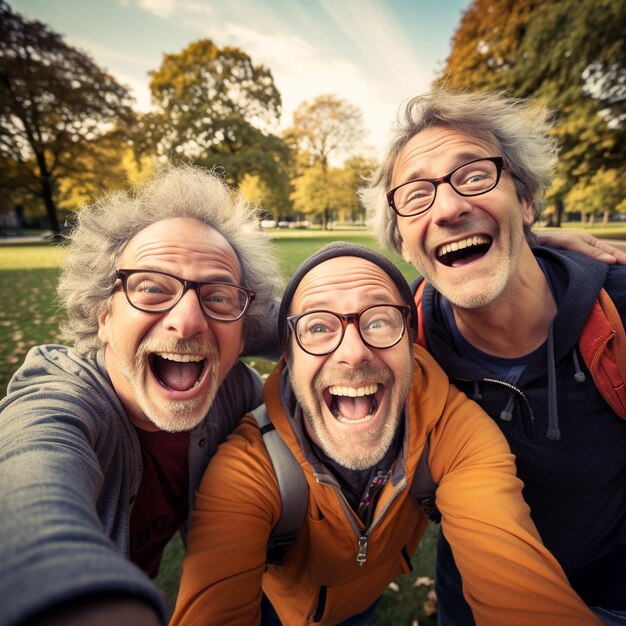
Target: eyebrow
[[460, 158], [223, 275]]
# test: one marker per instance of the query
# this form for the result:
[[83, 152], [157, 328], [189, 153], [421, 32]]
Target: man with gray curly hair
[[103, 444], [457, 193]]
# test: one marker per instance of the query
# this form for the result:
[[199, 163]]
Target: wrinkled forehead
[[344, 284], [451, 144], [181, 242]]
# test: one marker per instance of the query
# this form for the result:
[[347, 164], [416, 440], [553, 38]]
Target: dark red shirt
[[162, 499]]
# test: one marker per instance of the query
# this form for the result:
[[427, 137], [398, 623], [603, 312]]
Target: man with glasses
[[102, 445], [355, 401], [456, 195]]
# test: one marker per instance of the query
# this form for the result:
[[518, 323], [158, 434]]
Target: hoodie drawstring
[[506, 415], [553, 416], [477, 396], [579, 375]]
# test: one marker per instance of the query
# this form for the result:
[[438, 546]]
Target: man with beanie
[[356, 402]]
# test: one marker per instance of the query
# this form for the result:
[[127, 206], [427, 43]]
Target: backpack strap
[[423, 488], [294, 490], [602, 345], [417, 287]]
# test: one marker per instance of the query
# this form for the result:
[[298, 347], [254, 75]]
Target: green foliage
[[568, 54], [326, 126], [216, 108], [485, 45], [54, 103], [323, 128]]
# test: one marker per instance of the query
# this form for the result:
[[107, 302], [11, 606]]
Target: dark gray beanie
[[337, 249]]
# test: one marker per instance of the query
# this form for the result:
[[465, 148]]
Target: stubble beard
[[361, 450], [173, 415]]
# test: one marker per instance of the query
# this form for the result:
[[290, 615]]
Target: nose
[[186, 319], [352, 351], [449, 205]]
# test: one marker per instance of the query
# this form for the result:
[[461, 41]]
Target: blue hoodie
[[570, 446]]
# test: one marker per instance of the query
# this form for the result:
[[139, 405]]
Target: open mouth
[[464, 251], [178, 372], [354, 404]]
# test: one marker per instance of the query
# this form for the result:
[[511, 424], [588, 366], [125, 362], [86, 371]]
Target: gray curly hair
[[520, 128], [103, 229]]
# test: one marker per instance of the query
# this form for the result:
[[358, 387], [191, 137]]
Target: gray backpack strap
[[294, 490], [423, 488]]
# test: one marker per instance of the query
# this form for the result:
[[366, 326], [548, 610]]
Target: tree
[[54, 101], [216, 108], [601, 195], [485, 45], [324, 127], [568, 54], [273, 200]]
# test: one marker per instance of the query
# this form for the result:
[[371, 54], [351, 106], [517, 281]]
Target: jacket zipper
[[527, 423], [528, 428], [362, 536]]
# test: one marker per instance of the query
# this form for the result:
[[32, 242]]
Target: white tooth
[[463, 244], [181, 358], [454, 246], [352, 392]]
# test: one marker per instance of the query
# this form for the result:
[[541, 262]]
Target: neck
[[517, 321]]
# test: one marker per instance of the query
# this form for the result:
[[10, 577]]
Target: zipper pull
[[361, 557]]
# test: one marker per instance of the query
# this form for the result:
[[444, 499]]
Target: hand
[[584, 243]]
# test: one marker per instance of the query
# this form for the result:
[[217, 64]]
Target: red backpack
[[602, 345]]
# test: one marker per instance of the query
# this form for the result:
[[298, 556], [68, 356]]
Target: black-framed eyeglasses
[[321, 332], [153, 291], [470, 179]]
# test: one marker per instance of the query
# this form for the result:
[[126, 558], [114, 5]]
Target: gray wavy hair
[[103, 229], [518, 126]]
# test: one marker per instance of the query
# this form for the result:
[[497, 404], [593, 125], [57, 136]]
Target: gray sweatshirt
[[70, 466]]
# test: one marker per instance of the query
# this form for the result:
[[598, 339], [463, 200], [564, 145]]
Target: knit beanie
[[339, 249]]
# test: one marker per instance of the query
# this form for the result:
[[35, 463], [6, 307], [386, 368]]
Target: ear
[[405, 254], [527, 212], [103, 325]]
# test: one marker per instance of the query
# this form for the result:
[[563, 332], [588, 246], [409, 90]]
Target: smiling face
[[469, 248], [352, 399], [166, 367]]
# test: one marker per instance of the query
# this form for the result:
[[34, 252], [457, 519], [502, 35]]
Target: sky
[[375, 54]]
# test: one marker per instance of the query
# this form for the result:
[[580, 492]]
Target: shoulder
[[241, 468], [240, 392]]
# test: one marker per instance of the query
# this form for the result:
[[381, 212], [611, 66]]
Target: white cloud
[[160, 8]]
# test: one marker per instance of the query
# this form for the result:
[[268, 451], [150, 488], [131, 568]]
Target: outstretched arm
[[509, 577], [582, 242]]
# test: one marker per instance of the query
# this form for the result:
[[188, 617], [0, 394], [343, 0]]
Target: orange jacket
[[510, 577]]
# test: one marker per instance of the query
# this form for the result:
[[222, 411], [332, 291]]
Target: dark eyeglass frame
[[124, 274], [345, 319], [499, 162]]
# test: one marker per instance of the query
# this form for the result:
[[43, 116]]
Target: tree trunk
[[51, 209], [45, 181], [558, 214]]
